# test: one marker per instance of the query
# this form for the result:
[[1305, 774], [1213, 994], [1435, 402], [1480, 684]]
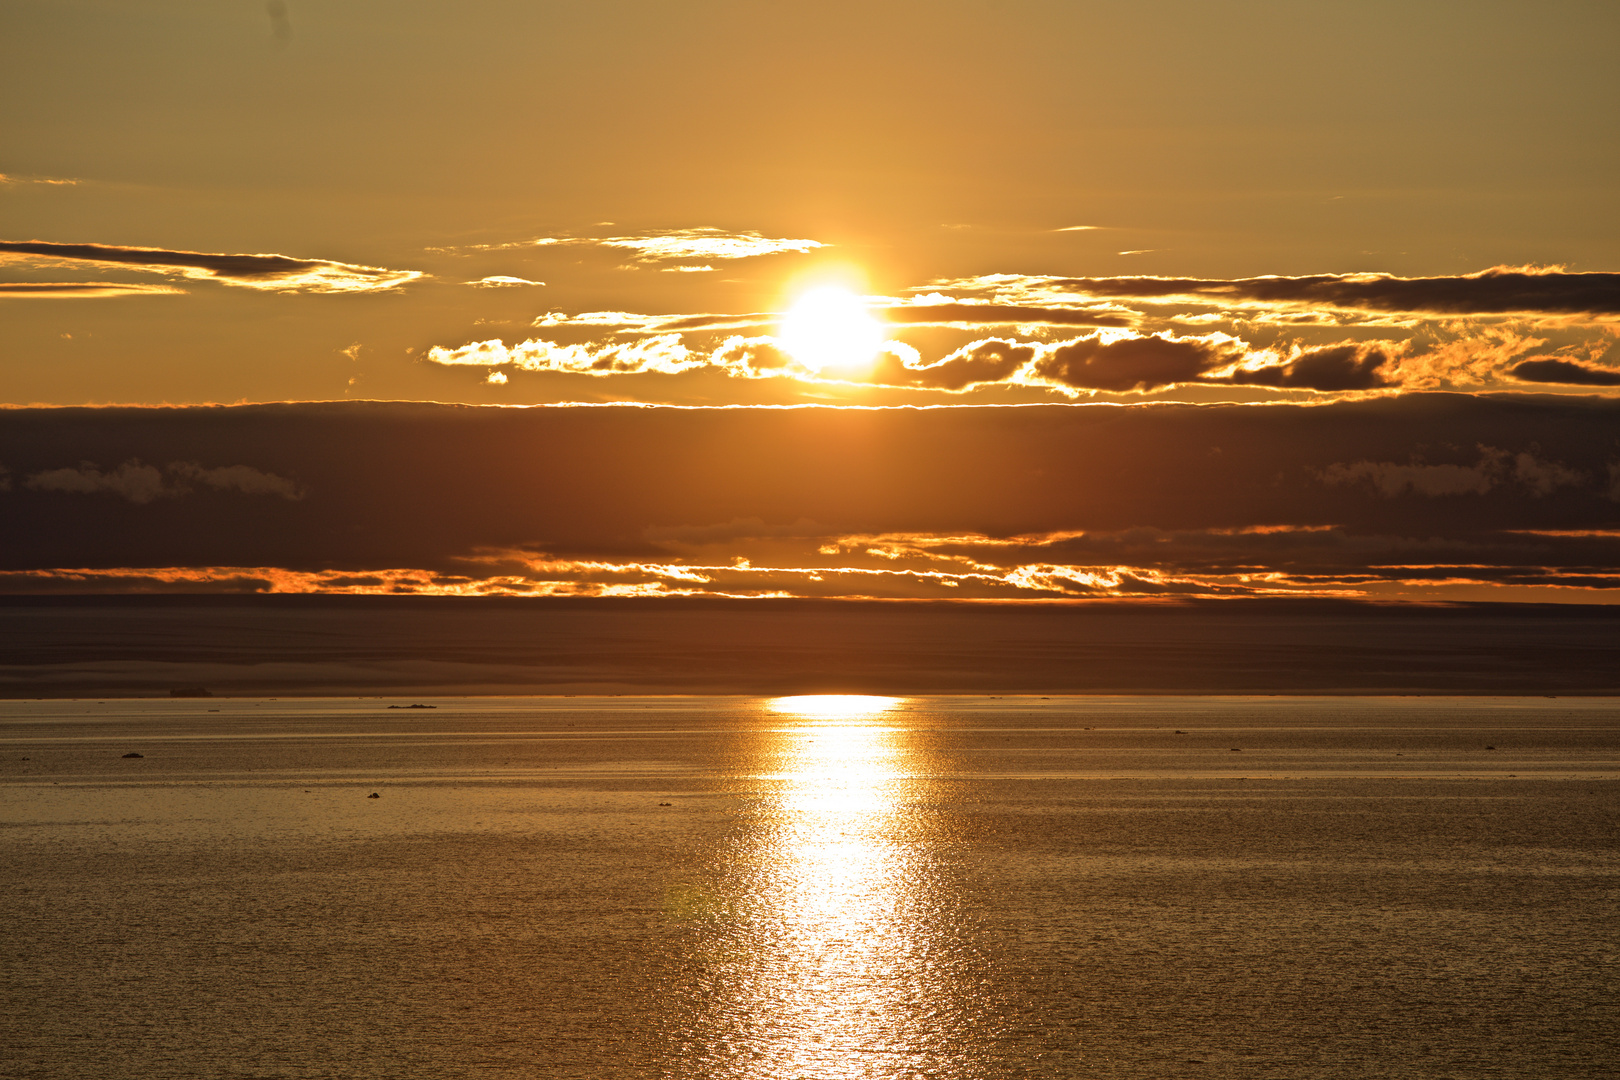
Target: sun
[[830, 327]]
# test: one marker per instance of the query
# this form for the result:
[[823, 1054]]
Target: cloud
[[280, 24], [664, 354], [1376, 496], [8, 181], [1102, 362], [1551, 369], [142, 484], [277, 273], [940, 311], [623, 320], [1391, 479], [1331, 368], [1534, 475], [1116, 359], [83, 289], [978, 314], [981, 363], [1107, 361], [501, 281], [1499, 290], [672, 245]]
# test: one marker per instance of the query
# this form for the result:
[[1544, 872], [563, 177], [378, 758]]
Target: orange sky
[[427, 162], [1021, 203]]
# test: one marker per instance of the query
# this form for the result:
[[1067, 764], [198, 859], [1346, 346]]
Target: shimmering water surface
[[730, 887]]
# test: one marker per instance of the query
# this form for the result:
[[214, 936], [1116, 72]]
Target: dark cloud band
[[1496, 291], [1565, 372], [971, 502]]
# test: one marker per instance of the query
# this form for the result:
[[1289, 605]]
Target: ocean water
[[746, 887]]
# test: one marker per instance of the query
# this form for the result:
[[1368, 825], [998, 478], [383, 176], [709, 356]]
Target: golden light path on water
[[837, 958]]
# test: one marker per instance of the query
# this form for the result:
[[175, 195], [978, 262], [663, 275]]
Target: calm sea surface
[[746, 887]]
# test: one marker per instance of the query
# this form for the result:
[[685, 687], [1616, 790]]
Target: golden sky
[[1082, 205]]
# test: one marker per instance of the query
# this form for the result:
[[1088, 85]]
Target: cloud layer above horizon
[[1421, 496], [1082, 337]]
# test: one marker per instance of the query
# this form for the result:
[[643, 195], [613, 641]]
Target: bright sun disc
[[831, 327]]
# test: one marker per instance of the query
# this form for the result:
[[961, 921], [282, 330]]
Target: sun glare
[[830, 327], [834, 706]]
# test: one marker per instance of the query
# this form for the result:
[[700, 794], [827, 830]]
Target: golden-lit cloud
[[1210, 339], [681, 246], [1036, 582], [1357, 366], [271, 273], [702, 243], [1106, 361], [7, 180], [664, 354], [501, 281]]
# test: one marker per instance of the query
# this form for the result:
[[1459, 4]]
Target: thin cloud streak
[[273, 273], [501, 281], [668, 245], [1496, 291], [49, 181], [73, 290]]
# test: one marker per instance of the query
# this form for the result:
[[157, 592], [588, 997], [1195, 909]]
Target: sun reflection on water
[[835, 958], [834, 706]]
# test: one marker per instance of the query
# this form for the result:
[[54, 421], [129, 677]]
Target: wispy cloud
[[1531, 474], [931, 311], [275, 273], [671, 245], [50, 181], [951, 312], [83, 289], [140, 483]]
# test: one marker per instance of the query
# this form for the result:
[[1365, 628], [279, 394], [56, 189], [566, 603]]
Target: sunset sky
[[1033, 300]]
